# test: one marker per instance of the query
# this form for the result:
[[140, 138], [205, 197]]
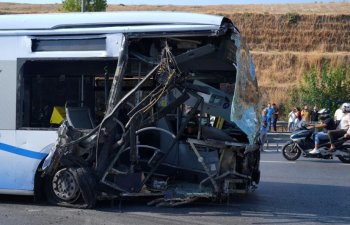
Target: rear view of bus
[[111, 105]]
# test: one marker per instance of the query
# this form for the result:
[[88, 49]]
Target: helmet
[[345, 107], [324, 113]]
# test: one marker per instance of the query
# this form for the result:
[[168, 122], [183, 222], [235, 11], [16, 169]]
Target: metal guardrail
[[282, 126], [276, 140]]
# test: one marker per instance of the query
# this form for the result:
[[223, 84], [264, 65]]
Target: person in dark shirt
[[327, 124], [314, 115], [274, 116]]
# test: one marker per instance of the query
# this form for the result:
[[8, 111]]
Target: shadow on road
[[273, 202]]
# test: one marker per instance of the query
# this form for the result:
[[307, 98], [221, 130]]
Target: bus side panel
[[20, 154], [8, 77]]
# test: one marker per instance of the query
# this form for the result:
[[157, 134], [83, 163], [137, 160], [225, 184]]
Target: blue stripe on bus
[[22, 151]]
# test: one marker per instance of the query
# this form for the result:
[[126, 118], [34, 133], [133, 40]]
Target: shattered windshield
[[244, 111]]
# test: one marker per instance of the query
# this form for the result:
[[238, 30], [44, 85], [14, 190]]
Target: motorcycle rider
[[344, 126], [327, 125], [338, 115]]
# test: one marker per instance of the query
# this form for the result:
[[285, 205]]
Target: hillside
[[285, 39]]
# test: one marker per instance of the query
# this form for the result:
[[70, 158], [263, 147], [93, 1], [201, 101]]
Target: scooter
[[302, 142]]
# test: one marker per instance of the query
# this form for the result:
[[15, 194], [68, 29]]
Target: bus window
[[49, 83]]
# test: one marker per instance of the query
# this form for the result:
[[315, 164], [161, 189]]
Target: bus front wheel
[[72, 187], [62, 187]]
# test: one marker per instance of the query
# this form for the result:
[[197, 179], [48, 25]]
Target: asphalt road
[[307, 191]]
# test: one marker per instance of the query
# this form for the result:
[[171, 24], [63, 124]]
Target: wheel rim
[[290, 151], [344, 159], [64, 185]]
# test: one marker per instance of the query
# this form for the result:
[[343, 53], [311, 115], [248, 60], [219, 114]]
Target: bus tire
[[71, 187], [62, 188]]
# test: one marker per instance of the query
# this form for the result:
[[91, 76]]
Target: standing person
[[305, 114], [291, 119], [327, 124], [299, 122], [344, 126], [263, 129], [270, 111], [274, 116], [314, 115], [338, 115]]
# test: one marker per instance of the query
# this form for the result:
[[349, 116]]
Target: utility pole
[[82, 5]]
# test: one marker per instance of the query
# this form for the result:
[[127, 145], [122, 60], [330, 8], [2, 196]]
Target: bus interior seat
[[79, 117], [213, 133]]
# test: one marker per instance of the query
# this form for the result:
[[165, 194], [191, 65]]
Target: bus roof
[[103, 19]]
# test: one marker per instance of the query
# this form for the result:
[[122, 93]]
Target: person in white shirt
[[291, 119], [343, 129], [338, 115]]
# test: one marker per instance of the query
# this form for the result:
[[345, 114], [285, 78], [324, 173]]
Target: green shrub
[[90, 5], [293, 17], [325, 88]]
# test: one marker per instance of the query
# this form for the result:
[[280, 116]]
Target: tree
[[326, 88], [90, 5]]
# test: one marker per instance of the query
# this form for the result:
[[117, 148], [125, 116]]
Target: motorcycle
[[302, 142]]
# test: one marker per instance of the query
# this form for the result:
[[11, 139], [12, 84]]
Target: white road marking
[[34, 210], [264, 161]]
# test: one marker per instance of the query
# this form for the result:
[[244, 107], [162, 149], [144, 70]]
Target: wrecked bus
[[107, 105]]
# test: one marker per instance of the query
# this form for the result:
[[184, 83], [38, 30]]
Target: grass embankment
[[285, 46]]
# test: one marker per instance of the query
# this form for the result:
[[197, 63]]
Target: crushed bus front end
[[179, 124]]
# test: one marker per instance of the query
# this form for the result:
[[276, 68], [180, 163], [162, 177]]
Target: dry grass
[[278, 72], [309, 33], [311, 8], [14, 8], [308, 9], [283, 49]]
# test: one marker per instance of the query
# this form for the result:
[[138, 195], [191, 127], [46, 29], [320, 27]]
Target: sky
[[182, 2]]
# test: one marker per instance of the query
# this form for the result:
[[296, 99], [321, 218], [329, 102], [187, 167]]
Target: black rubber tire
[[290, 151], [85, 182], [50, 186], [343, 159]]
